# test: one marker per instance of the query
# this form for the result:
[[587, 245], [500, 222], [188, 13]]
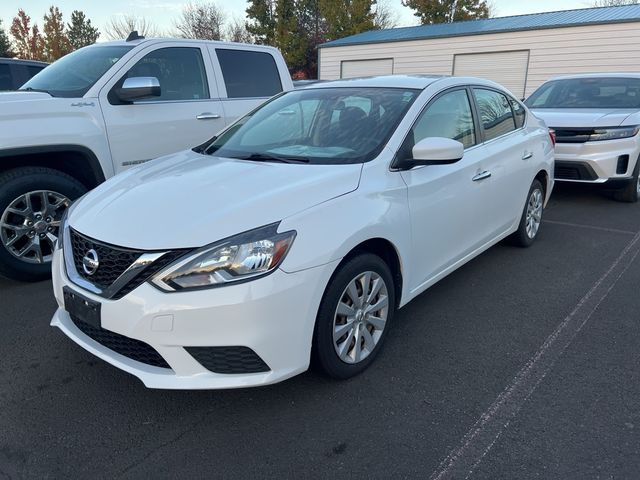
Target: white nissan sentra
[[295, 234]]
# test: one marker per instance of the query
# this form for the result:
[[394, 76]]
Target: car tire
[[32, 202], [531, 218], [630, 192], [362, 324]]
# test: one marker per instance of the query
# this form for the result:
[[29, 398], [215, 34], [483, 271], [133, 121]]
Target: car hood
[[190, 200], [23, 96], [578, 118]]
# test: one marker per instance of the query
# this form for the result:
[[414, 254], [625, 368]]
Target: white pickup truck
[[104, 108]]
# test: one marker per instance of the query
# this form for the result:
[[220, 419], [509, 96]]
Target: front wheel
[[631, 192], [32, 202], [354, 317], [531, 217]]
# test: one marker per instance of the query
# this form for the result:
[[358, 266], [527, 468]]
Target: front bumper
[[274, 316], [597, 162]]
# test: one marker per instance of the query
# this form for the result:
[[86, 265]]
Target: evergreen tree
[[80, 31], [262, 21], [56, 42], [5, 43], [447, 11]]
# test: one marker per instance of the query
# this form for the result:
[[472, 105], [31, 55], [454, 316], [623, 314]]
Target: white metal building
[[520, 52]]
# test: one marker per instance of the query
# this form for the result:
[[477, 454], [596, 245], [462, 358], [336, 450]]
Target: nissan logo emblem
[[90, 262]]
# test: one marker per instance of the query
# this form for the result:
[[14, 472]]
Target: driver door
[[186, 114]]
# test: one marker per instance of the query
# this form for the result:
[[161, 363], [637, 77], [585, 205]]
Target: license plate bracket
[[81, 307]]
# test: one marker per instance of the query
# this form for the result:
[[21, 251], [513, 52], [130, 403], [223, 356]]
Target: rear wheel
[[531, 216], [32, 202], [354, 317]]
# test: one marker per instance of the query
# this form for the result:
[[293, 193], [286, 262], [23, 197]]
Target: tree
[[262, 21], [204, 21], [348, 17], [121, 26], [28, 41], [447, 11], [56, 42], [236, 31], [614, 3], [80, 31], [385, 15], [5, 43]]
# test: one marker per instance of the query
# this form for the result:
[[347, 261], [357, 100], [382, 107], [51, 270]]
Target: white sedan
[[295, 234]]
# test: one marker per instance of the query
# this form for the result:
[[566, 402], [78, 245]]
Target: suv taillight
[[552, 134]]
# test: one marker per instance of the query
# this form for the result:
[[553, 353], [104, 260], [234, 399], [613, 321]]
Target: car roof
[[140, 41], [23, 62], [418, 82], [597, 75]]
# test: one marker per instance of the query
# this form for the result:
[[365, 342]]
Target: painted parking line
[[591, 227], [463, 460]]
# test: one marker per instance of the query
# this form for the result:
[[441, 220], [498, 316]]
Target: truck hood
[[190, 200], [22, 96], [578, 118]]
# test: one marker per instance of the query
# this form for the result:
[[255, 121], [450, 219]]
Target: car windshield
[[73, 75], [323, 125], [601, 92]]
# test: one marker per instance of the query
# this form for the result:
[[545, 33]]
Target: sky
[[164, 12]]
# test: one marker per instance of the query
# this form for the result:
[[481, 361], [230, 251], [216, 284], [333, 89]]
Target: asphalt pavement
[[524, 363]]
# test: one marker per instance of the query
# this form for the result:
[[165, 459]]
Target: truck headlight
[[613, 133], [239, 258]]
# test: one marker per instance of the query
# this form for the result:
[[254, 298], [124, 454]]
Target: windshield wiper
[[29, 89], [268, 157]]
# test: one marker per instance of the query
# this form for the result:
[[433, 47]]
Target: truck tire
[[32, 202]]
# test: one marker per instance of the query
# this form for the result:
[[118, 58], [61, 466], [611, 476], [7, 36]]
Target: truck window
[[249, 74], [5, 77], [180, 71]]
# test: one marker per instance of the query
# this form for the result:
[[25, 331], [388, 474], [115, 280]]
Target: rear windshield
[[587, 93]]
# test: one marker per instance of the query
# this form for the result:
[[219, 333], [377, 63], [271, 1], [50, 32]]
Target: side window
[[5, 77], [33, 71], [249, 74], [495, 113], [180, 71], [519, 113], [448, 116]]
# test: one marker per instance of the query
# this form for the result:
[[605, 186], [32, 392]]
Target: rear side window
[[5, 77], [33, 71], [249, 74], [495, 113], [180, 71]]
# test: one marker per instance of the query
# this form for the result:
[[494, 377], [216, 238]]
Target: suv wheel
[[631, 192], [354, 317], [32, 202]]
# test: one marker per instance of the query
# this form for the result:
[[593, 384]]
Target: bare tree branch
[[121, 26], [203, 21], [385, 15]]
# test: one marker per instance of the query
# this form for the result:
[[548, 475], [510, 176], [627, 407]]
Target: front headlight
[[613, 133], [243, 257]]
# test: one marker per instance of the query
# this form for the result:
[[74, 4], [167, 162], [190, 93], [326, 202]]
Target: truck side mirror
[[138, 88]]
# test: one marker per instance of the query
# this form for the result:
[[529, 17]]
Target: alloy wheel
[[29, 225], [534, 213], [360, 317]]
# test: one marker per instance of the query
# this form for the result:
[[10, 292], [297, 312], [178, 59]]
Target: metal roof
[[534, 21]]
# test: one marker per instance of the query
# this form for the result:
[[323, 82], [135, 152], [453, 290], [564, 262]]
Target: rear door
[[187, 113], [248, 78], [510, 156]]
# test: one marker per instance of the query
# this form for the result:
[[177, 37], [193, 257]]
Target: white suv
[[299, 230], [105, 108], [596, 119]]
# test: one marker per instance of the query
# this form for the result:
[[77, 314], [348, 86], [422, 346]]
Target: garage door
[[366, 68], [506, 68]]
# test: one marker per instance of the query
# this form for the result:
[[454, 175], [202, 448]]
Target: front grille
[[228, 359], [128, 347], [574, 171], [573, 135], [113, 260]]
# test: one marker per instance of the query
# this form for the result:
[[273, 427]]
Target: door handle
[[527, 155], [207, 116], [481, 176]]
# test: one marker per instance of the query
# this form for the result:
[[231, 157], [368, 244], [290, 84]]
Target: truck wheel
[[32, 202], [631, 192]]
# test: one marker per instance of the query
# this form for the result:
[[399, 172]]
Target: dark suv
[[14, 73]]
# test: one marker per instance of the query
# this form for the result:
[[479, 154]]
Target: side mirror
[[138, 88], [437, 151]]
